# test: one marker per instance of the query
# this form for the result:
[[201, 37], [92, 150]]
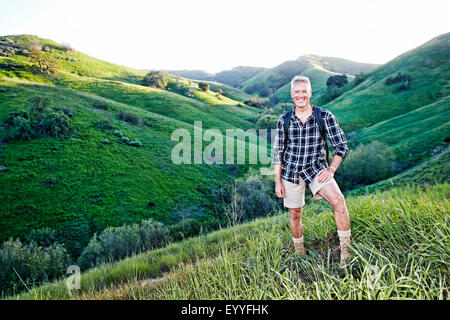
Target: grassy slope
[[372, 101], [95, 184], [399, 246], [415, 134]]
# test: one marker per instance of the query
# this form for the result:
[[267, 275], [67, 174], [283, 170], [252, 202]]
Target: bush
[[67, 111], [35, 264], [177, 88], [100, 105], [249, 198], [155, 79], [117, 243], [338, 80], [365, 165], [204, 86], [43, 63], [17, 125], [54, 124], [44, 237], [130, 118], [258, 102], [104, 125], [267, 122]]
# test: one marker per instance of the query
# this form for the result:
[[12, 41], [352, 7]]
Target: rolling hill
[[275, 82], [404, 103], [233, 77], [93, 178]]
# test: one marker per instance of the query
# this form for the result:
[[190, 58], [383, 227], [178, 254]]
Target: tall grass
[[400, 251]]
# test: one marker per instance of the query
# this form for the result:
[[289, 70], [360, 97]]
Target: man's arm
[[278, 147], [339, 142]]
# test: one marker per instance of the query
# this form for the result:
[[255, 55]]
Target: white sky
[[218, 35]]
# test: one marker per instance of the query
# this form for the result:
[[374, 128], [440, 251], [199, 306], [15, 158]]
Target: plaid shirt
[[305, 152]]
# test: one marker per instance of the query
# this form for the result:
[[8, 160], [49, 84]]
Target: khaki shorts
[[294, 194]]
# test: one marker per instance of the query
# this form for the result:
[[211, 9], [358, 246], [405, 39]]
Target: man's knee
[[338, 202], [296, 213]]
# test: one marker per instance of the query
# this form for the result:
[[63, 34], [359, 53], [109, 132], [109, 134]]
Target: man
[[303, 163]]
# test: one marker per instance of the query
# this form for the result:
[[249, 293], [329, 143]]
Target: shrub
[[104, 125], [44, 237], [267, 122], [54, 124], [43, 63], [115, 243], [67, 47], [338, 80], [35, 264], [365, 165], [17, 125], [204, 86], [135, 143], [258, 102], [67, 111], [156, 79], [100, 105], [248, 198], [130, 118], [177, 87]]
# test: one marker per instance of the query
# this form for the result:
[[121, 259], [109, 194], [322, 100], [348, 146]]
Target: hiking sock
[[298, 244], [344, 239]]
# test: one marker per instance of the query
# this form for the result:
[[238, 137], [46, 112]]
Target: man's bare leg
[[334, 196], [297, 229]]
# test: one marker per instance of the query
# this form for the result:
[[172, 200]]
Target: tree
[[44, 63], [155, 79], [203, 86], [337, 80]]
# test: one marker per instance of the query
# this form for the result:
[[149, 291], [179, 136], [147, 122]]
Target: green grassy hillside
[[374, 100], [399, 252], [80, 184], [415, 134], [233, 77]]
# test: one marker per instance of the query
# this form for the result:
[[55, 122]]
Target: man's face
[[301, 93]]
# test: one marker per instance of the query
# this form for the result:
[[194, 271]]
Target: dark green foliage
[[67, 111], [398, 78], [337, 80], [130, 118], [33, 263], [177, 88], [267, 122], [40, 121], [365, 165], [100, 105], [17, 125], [258, 102], [104, 125], [360, 78], [248, 198], [204, 86], [44, 237], [53, 124], [119, 242], [155, 79]]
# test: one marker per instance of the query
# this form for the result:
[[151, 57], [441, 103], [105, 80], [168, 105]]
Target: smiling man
[[299, 161]]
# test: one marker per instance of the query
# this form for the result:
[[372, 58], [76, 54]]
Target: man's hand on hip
[[325, 175]]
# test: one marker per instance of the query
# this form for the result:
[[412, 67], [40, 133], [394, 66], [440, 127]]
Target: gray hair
[[300, 79]]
